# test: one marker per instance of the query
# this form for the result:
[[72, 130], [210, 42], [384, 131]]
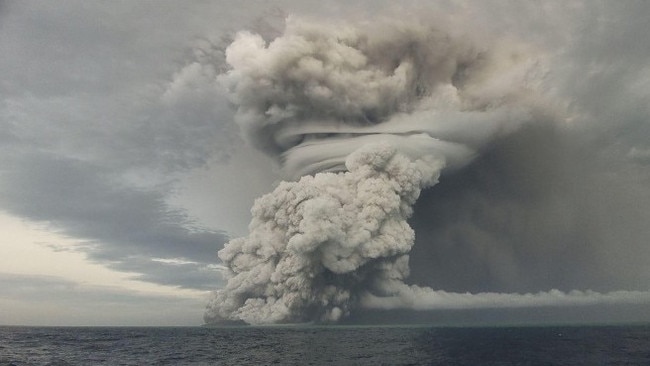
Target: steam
[[363, 118], [315, 243], [319, 92], [398, 295]]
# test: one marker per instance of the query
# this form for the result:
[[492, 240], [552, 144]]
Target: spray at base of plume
[[398, 295], [317, 244]]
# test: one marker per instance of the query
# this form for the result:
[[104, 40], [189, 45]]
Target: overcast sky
[[122, 172]]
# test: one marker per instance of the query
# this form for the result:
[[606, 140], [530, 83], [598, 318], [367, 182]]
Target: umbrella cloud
[[319, 92], [362, 118]]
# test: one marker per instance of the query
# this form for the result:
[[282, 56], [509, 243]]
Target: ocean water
[[334, 345]]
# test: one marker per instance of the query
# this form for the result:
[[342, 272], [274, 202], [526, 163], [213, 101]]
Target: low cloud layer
[[46, 300]]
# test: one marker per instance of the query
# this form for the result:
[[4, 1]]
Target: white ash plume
[[365, 117], [316, 243]]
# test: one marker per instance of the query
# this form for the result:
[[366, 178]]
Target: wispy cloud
[[48, 300]]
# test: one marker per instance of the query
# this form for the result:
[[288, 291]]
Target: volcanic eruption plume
[[361, 118]]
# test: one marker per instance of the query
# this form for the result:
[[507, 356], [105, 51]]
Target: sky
[[122, 172]]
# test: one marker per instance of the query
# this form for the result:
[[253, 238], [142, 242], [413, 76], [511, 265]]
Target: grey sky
[[115, 133]]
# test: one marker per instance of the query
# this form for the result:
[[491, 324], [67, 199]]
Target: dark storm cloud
[[101, 112], [122, 226], [535, 212], [556, 207]]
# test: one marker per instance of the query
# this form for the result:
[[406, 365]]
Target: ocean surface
[[334, 345]]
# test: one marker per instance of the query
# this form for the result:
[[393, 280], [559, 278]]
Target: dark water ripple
[[305, 345]]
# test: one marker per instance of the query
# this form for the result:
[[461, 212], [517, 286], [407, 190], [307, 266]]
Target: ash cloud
[[364, 120], [319, 92], [316, 242]]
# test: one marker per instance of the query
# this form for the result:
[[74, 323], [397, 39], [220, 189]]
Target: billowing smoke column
[[316, 243], [363, 118], [318, 93]]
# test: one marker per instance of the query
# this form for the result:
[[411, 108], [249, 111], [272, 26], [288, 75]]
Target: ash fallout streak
[[362, 118]]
